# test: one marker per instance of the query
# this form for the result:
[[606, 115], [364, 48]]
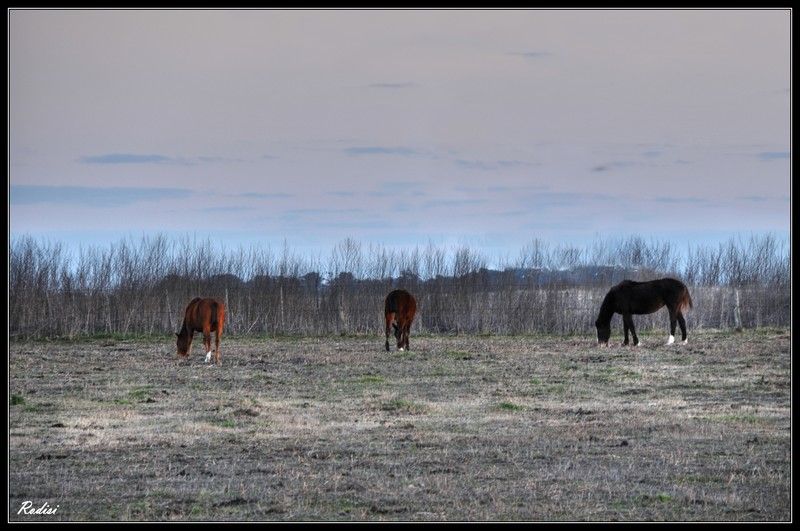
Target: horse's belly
[[641, 309]]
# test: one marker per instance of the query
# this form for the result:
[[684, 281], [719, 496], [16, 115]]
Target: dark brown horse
[[636, 298], [399, 311], [206, 316]]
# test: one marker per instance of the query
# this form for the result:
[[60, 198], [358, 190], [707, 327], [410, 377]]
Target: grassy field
[[459, 428]]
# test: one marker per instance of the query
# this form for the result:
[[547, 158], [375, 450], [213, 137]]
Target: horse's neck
[[606, 310]]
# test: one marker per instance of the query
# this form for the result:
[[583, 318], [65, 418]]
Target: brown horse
[[206, 316], [637, 298], [399, 310]]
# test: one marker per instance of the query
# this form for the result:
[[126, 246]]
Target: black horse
[[636, 298]]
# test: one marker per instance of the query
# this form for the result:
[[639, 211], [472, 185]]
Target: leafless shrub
[[142, 286]]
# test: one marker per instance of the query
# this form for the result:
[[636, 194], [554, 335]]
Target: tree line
[[142, 286]]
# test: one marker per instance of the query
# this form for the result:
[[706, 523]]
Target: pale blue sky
[[484, 127]]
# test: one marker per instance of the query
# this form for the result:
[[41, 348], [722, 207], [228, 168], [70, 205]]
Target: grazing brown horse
[[206, 316], [399, 311], [636, 298]]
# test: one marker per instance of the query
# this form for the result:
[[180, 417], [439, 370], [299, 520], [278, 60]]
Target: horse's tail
[[686, 301]]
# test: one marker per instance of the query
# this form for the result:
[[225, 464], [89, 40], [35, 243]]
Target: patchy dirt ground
[[460, 428]]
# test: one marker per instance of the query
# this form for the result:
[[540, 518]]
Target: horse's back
[[399, 299], [650, 296], [200, 312], [401, 302]]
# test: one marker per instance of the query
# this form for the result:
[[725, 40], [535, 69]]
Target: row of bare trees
[[142, 286]]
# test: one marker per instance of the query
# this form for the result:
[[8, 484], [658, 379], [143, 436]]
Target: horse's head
[[603, 332], [183, 344]]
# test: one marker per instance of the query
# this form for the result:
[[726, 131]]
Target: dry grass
[[460, 428]]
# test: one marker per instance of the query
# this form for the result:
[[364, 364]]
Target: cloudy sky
[[399, 127]]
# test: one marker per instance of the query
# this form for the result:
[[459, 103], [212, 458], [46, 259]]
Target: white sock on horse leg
[[208, 356], [671, 340]]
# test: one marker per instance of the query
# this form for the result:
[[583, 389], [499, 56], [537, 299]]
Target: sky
[[486, 128]]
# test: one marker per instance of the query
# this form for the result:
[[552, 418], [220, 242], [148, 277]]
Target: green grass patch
[[16, 400], [611, 374], [371, 379], [458, 354], [398, 405], [223, 423], [682, 360], [696, 479], [33, 408], [742, 418], [509, 406], [141, 394], [539, 388], [648, 500]]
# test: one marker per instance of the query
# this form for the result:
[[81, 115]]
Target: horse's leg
[[220, 326], [216, 346], [629, 318], [400, 334], [406, 333], [626, 320], [672, 321], [389, 319], [682, 322], [207, 341]]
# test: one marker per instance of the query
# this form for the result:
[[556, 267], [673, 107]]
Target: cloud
[[213, 159], [533, 54], [760, 198], [574, 199], [340, 193], [438, 203], [406, 84], [491, 165], [92, 196], [321, 211], [523, 188], [135, 158], [258, 195], [398, 188], [773, 155], [381, 150], [499, 189], [226, 209], [127, 158], [680, 200], [613, 165]]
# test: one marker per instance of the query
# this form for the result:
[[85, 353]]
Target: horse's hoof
[[671, 340], [400, 349], [685, 341]]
